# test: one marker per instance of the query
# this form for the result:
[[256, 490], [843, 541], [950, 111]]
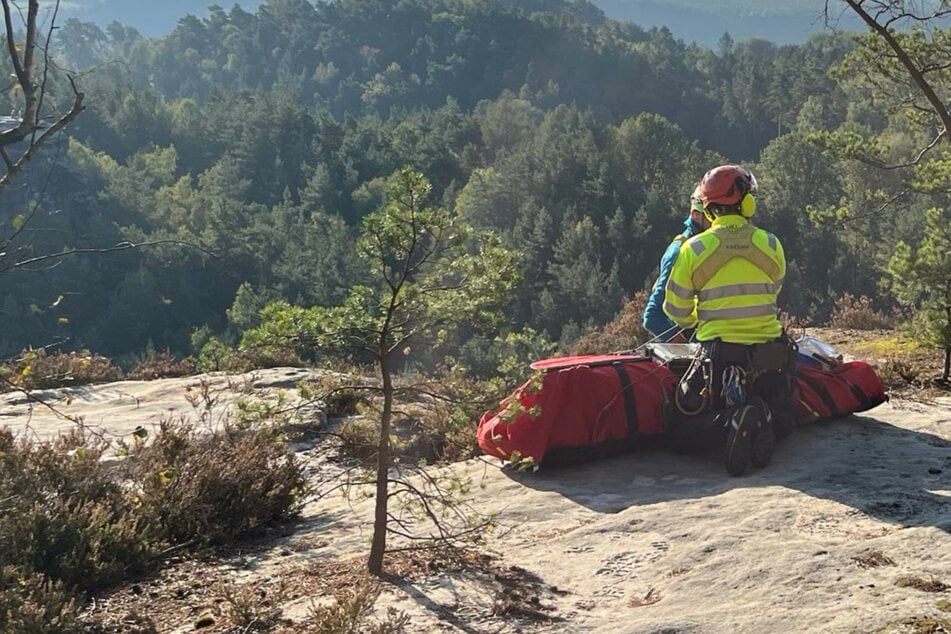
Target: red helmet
[[726, 185]]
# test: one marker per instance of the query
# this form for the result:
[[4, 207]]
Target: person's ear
[[748, 206]]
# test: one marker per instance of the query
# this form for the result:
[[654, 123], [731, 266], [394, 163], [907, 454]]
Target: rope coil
[[706, 367], [734, 385]]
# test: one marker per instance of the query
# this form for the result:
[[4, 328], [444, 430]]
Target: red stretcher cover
[[579, 402], [822, 394]]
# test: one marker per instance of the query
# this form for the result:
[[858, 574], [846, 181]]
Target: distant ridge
[[706, 22], [700, 21]]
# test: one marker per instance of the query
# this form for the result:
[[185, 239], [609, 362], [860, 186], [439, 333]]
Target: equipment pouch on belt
[[773, 355]]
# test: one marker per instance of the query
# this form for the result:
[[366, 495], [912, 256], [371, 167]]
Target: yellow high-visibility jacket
[[725, 282]]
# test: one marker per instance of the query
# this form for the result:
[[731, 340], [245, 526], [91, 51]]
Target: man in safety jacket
[[724, 283], [655, 321]]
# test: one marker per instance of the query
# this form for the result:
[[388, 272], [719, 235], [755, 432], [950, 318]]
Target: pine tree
[[431, 273], [922, 277]]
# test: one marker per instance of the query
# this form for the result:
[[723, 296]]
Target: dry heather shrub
[[449, 433], [792, 324], [254, 607], [339, 393], [344, 401], [162, 365], [448, 421], [261, 359], [858, 314], [433, 421], [873, 559], [624, 333], [214, 488], [925, 585], [65, 517], [352, 612], [917, 625], [33, 604], [70, 522], [360, 438], [434, 434], [215, 355], [36, 369], [897, 373], [132, 622]]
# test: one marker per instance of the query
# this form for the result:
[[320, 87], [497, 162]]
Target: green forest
[[221, 175]]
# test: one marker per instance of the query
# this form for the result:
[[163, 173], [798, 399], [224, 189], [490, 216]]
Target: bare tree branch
[[23, 67], [884, 31], [122, 246], [877, 211], [911, 163], [15, 169]]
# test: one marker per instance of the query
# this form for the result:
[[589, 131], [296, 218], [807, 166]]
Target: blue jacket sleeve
[[655, 321]]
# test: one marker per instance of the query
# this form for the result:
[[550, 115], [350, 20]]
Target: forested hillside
[[150, 18], [243, 150]]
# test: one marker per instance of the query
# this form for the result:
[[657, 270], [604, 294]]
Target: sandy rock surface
[[847, 530]]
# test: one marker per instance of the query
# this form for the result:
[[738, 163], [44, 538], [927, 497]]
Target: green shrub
[[504, 357], [213, 353], [432, 435]]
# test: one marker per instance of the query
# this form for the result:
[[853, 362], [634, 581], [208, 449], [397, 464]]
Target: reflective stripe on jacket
[[725, 282]]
